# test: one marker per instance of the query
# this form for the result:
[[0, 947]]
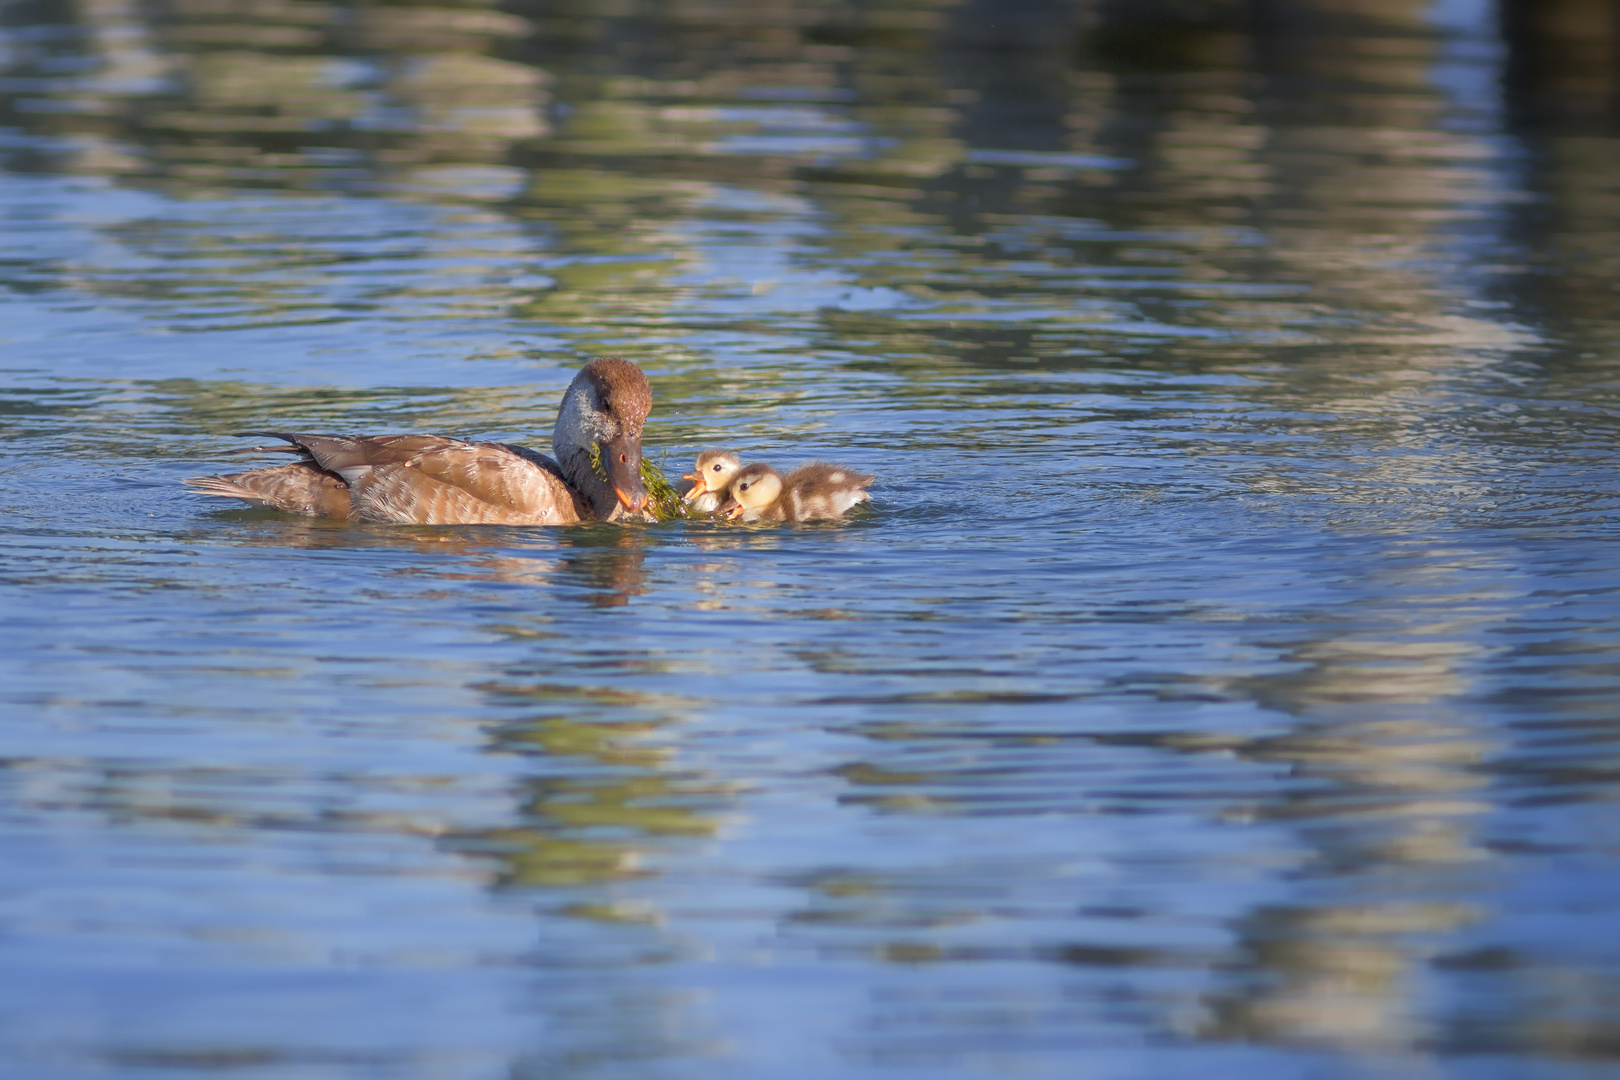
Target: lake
[[1224, 678]]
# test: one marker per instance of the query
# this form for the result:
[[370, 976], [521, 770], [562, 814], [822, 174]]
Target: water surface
[[1223, 678]]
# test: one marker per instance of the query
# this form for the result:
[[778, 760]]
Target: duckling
[[711, 479], [811, 492], [433, 480]]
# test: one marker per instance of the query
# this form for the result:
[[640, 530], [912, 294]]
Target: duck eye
[[624, 459], [717, 468], [745, 487]]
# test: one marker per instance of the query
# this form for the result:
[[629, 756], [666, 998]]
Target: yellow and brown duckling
[[434, 480], [711, 479], [813, 492]]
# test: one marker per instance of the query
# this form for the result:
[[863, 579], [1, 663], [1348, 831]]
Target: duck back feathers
[[434, 480]]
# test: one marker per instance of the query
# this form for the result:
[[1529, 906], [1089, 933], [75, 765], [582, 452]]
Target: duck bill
[[623, 457], [698, 486], [731, 509]]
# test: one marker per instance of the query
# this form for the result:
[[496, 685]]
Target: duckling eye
[[717, 468], [744, 487]]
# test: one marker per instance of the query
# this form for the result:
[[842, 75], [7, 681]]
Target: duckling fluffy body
[[711, 479], [812, 492], [434, 480]]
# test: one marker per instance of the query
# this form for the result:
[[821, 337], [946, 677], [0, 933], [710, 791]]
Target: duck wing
[[413, 479], [451, 482], [299, 488], [350, 456]]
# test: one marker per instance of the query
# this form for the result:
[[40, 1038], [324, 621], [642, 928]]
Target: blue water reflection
[[1221, 680]]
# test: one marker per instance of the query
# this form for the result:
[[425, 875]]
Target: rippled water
[[1225, 676]]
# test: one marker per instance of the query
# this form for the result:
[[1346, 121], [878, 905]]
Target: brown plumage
[[299, 488], [434, 480]]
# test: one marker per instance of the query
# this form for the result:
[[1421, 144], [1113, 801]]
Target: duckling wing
[[298, 488], [821, 490], [450, 482]]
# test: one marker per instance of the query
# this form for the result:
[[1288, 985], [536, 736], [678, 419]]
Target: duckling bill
[[711, 479]]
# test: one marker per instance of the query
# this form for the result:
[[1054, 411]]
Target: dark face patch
[[623, 459]]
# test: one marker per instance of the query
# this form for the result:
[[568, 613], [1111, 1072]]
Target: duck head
[[714, 472], [597, 439], [754, 488]]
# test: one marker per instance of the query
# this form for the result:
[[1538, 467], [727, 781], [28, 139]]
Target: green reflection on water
[[1136, 225]]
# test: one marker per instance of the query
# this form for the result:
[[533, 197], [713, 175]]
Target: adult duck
[[434, 480], [812, 492]]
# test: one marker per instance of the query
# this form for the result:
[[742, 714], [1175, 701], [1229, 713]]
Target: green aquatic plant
[[663, 500]]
